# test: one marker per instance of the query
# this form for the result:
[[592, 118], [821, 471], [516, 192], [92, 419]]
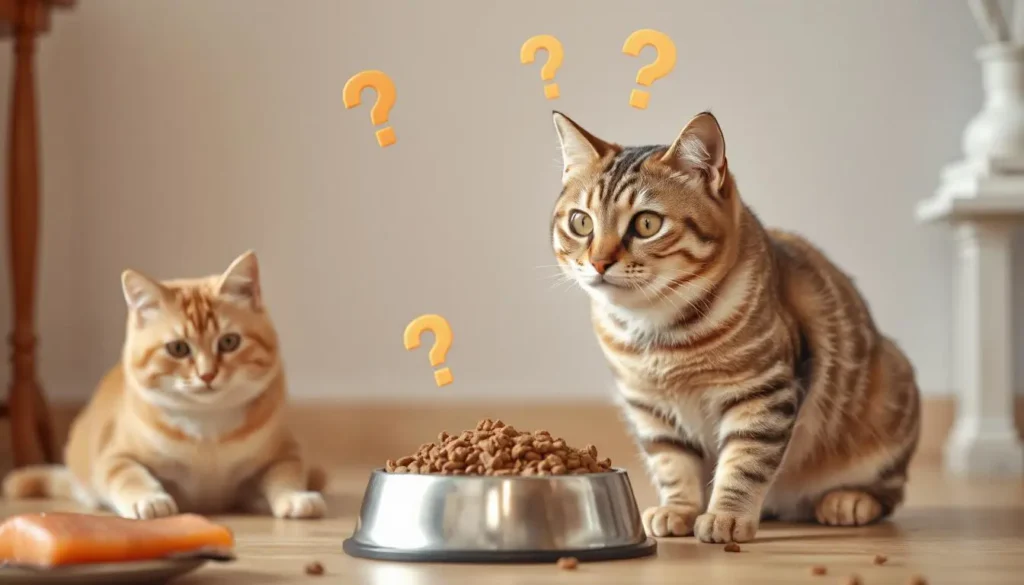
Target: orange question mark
[[648, 74], [437, 325], [385, 88], [555, 53]]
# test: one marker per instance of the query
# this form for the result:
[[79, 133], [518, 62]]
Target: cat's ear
[[143, 295], [241, 281], [700, 147], [579, 147]]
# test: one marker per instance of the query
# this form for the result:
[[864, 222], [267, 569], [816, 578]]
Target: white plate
[[159, 571]]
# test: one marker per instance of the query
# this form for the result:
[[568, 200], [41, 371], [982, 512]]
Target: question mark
[[661, 67], [442, 342], [385, 88], [555, 53]]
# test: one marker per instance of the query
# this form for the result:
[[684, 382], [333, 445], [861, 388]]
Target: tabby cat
[[748, 365], [191, 420]]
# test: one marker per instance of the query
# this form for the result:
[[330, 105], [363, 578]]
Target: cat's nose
[[601, 266], [208, 377]]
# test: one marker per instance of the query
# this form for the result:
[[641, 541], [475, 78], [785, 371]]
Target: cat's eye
[[581, 224], [229, 342], [646, 224], [178, 349]]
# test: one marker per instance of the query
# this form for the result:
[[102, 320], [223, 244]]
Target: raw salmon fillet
[[56, 539]]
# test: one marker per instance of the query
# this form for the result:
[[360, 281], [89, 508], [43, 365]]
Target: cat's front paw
[[670, 520], [725, 527], [299, 505], [148, 506]]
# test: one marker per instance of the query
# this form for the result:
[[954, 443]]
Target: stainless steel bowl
[[442, 518]]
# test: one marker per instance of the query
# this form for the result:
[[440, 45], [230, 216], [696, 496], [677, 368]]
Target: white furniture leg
[[984, 440]]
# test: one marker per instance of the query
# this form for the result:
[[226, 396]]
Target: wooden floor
[[952, 531]]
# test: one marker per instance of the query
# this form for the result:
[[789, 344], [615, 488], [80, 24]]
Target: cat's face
[[201, 344], [644, 229]]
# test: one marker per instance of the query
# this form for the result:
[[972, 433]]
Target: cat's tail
[[39, 481], [45, 481]]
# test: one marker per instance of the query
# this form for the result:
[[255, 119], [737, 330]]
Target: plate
[[134, 572]]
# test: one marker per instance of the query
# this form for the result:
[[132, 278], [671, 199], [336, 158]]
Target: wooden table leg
[[26, 406]]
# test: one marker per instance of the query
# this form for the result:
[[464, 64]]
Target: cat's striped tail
[[45, 481]]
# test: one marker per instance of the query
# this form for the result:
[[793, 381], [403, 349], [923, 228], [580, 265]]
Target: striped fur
[[746, 361], [201, 432]]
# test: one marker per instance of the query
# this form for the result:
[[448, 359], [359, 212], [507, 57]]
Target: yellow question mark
[[555, 54], [442, 342], [385, 88], [661, 67]]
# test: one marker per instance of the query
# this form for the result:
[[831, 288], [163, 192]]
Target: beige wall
[[179, 133]]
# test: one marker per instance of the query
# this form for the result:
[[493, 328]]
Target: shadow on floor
[[934, 523], [227, 575]]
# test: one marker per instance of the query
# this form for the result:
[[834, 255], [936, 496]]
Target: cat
[[191, 420], [747, 364]]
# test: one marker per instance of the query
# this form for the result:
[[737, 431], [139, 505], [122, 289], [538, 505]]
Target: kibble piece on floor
[[917, 580], [732, 547], [818, 570], [568, 563], [853, 580], [881, 559], [314, 568], [495, 448]]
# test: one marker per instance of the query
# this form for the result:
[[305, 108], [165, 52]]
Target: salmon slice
[[58, 539]]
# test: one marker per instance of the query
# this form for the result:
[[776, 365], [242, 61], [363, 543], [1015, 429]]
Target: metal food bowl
[[499, 519]]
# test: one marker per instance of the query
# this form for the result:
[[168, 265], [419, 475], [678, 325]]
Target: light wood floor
[[952, 531]]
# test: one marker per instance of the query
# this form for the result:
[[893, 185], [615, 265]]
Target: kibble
[[732, 547], [818, 570], [917, 580], [853, 580], [568, 563], [314, 568], [495, 448], [881, 559]]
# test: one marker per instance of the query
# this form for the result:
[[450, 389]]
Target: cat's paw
[[725, 527], [299, 505], [670, 520], [847, 508], [148, 506]]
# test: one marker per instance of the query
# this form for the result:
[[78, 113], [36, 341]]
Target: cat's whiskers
[[644, 291], [661, 295], [552, 275], [561, 280], [705, 298]]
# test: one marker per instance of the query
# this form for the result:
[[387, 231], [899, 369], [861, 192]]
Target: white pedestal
[[982, 197], [984, 439]]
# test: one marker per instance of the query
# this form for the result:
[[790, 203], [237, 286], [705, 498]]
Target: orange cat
[[192, 418]]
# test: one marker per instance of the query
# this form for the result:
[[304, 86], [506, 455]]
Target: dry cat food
[[495, 448], [917, 580], [881, 559], [853, 580], [314, 568], [732, 547], [818, 570], [568, 563]]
